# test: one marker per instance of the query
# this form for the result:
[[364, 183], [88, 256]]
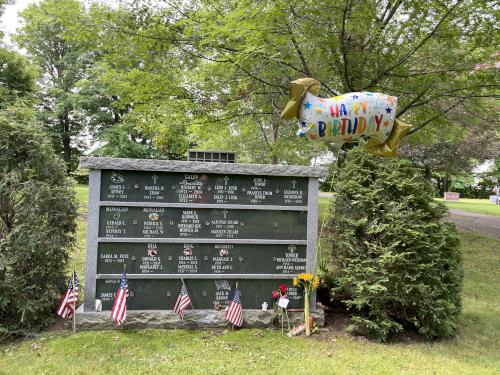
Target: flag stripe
[[66, 307], [234, 311], [62, 306], [119, 309], [182, 302]]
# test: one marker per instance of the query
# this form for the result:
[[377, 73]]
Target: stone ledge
[[201, 167], [193, 319]]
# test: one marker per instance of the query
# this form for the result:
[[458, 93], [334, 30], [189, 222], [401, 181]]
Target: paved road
[[484, 224]]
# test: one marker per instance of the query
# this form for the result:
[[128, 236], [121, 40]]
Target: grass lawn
[[82, 194], [480, 206], [473, 350]]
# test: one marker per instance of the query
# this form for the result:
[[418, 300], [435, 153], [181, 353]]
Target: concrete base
[[193, 319]]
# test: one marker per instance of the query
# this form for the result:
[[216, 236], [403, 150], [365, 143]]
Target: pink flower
[[275, 294]]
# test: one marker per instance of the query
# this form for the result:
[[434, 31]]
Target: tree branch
[[343, 45], [405, 58], [219, 119], [410, 105], [443, 112], [439, 71], [297, 48]]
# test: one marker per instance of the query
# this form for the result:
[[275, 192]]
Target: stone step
[[193, 319]]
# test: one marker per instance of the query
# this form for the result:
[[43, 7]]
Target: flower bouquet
[[308, 282], [280, 304]]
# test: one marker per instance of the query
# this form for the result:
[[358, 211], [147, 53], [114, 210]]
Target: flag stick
[[74, 303], [126, 297], [282, 321]]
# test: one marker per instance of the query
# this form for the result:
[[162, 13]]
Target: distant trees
[[237, 59], [163, 77], [455, 153], [17, 78], [65, 50]]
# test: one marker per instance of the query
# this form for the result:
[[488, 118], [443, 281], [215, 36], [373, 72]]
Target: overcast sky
[[10, 21]]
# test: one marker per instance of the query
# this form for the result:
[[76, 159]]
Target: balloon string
[[327, 208]]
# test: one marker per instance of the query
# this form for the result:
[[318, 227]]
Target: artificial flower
[[275, 294], [316, 282], [282, 288], [295, 281], [305, 276]]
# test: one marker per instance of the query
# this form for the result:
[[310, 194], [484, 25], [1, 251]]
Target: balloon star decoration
[[346, 117]]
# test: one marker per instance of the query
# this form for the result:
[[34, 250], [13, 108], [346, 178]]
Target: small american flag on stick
[[183, 301], [68, 301], [234, 313], [119, 310]]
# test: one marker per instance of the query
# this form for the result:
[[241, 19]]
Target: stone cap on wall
[[201, 167]]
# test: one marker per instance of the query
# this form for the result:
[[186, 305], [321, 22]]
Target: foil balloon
[[347, 117]]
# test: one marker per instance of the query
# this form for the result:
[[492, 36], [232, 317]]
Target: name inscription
[[195, 258], [203, 188]]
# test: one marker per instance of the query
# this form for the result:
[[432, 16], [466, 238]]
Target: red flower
[[282, 288], [275, 294]]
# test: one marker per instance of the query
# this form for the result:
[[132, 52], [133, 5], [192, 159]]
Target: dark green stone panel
[[164, 187], [138, 222], [163, 258], [161, 294]]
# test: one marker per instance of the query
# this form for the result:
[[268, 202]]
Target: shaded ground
[[473, 222]]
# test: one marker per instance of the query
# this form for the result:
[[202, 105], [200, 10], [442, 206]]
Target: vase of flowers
[[308, 282], [280, 304]]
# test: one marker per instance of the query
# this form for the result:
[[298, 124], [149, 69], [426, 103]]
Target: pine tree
[[396, 264]]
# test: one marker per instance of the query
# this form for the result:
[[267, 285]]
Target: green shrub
[[395, 263], [37, 226]]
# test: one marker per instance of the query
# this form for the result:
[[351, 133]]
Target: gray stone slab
[[193, 319], [312, 231], [201, 167], [92, 238], [204, 240], [203, 205], [209, 276]]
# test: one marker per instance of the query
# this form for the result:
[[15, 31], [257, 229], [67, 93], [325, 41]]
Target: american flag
[[234, 313], [182, 302], [119, 310], [68, 302]]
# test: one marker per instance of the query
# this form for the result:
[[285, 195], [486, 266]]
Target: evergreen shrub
[[394, 262], [37, 227]]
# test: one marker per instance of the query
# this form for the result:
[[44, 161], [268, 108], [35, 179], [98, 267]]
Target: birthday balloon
[[347, 117]]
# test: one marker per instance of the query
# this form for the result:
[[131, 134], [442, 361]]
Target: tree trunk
[[440, 186], [344, 150], [274, 158], [66, 139], [448, 183], [427, 173]]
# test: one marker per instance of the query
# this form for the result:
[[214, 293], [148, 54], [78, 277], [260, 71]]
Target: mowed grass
[[473, 350], [82, 194], [480, 206]]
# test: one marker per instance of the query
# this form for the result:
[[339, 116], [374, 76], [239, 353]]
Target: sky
[[10, 20]]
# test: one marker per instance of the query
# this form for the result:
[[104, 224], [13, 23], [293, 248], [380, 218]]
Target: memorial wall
[[208, 224]]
